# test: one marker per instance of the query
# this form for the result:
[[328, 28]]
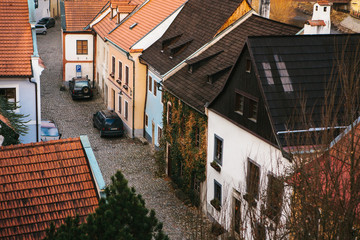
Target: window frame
[[126, 113], [120, 70], [150, 80], [127, 72], [249, 185], [248, 66], [272, 196], [219, 195], [216, 159], [120, 104], [81, 51], [113, 60], [155, 87], [237, 106]]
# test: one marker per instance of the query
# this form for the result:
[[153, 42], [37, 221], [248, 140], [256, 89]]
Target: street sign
[[78, 71]]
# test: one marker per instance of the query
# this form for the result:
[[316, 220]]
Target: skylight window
[[133, 25]]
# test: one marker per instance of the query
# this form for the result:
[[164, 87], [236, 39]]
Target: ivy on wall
[[187, 136]]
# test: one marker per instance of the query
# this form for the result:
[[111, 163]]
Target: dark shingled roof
[[197, 22], [194, 88], [293, 66]]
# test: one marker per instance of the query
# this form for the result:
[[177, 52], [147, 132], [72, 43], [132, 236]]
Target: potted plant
[[216, 204], [215, 165]]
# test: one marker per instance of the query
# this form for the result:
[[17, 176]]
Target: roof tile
[[41, 183]]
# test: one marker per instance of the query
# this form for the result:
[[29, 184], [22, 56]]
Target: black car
[[80, 88], [109, 123], [47, 21]]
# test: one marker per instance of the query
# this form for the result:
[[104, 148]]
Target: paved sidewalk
[[131, 157]]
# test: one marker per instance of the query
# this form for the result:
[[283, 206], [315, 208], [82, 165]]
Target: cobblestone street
[[74, 118]]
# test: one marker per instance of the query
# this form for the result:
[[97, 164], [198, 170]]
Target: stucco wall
[[154, 109], [101, 63], [42, 10]]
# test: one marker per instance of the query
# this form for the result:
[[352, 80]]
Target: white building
[[320, 22], [20, 70]]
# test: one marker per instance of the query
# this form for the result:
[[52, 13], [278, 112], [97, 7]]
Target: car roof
[[80, 79], [47, 124], [110, 114]]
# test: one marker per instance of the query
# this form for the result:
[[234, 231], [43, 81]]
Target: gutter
[[36, 110], [94, 166]]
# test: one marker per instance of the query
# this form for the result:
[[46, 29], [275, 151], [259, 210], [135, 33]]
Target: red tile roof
[[146, 18], [79, 13], [43, 182], [105, 26], [316, 22], [16, 45]]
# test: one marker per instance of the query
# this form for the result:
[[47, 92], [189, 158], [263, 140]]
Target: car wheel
[[85, 90], [44, 32]]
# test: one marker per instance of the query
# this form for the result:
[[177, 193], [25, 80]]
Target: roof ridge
[[32, 144]]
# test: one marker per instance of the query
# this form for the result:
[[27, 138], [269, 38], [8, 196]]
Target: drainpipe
[[94, 58], [36, 110], [133, 111]]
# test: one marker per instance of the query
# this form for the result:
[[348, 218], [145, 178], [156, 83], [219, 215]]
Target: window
[[253, 108], [113, 65], [159, 134], [120, 70], [217, 191], [169, 113], [253, 179], [218, 150], [325, 9], [246, 105], [150, 84], [126, 110], [126, 75], [316, 8], [36, 3], [155, 87], [120, 103], [197, 136], [274, 197], [237, 215], [81, 47], [239, 103], [248, 65], [146, 120], [9, 94]]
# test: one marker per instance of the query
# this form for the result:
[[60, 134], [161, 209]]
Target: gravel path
[[131, 157]]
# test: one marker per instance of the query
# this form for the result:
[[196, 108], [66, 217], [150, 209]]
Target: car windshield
[[81, 83], [113, 122], [51, 132]]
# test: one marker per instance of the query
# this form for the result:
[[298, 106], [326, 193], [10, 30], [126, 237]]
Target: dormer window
[[325, 8], [167, 42], [248, 66], [178, 49], [316, 8], [246, 105]]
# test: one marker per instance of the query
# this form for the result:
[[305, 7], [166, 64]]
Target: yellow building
[[125, 85]]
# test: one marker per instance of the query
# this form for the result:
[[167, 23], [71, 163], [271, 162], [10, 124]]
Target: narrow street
[[74, 118]]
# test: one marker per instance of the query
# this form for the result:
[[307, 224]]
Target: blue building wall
[[154, 110]]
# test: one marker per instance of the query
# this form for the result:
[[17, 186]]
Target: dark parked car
[[80, 88], [47, 21], [109, 123]]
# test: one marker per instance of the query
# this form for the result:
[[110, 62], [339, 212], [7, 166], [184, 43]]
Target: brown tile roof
[[79, 13], [146, 18], [43, 182], [316, 22], [105, 26], [5, 120], [16, 44], [199, 20], [193, 88]]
